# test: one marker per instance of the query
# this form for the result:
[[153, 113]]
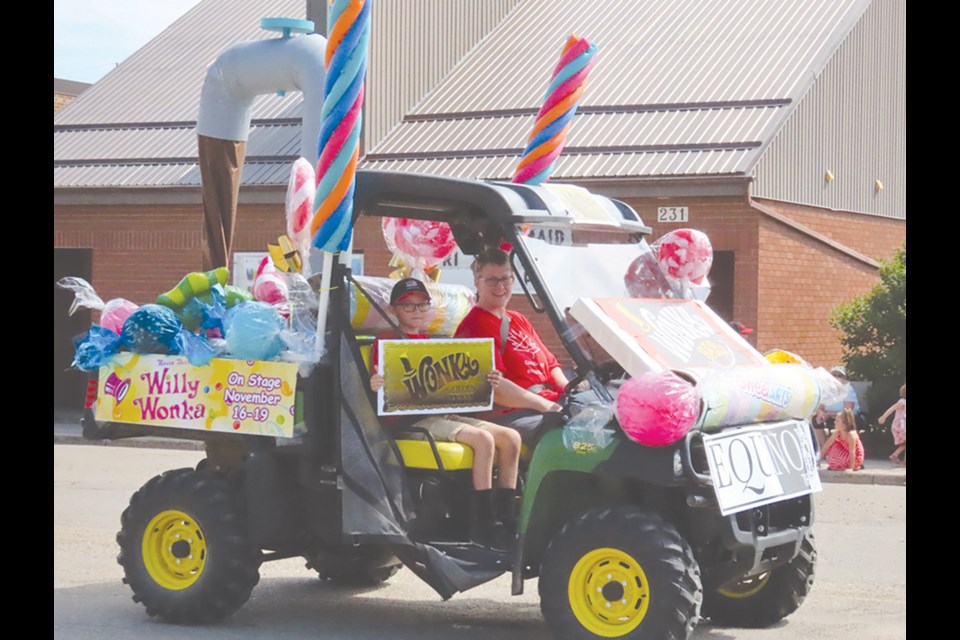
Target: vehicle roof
[[483, 208]]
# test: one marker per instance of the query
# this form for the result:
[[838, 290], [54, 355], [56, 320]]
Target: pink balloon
[[657, 408], [418, 241], [686, 255], [115, 313]]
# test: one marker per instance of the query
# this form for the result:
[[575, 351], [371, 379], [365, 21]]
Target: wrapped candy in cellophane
[[657, 408], [675, 266], [419, 244], [587, 432], [113, 313], [450, 303], [252, 331]]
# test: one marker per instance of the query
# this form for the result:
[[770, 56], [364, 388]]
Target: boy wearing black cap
[[410, 304]]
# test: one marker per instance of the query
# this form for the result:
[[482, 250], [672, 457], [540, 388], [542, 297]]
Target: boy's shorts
[[446, 427]]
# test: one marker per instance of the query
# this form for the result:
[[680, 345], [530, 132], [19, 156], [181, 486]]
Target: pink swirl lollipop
[[685, 255], [299, 204], [423, 242]]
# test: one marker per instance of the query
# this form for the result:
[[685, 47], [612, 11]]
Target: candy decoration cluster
[[348, 28], [560, 105]]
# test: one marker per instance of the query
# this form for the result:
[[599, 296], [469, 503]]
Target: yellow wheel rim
[[609, 593], [174, 550], [746, 588]]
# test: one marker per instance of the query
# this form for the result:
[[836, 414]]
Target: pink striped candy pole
[[560, 105]]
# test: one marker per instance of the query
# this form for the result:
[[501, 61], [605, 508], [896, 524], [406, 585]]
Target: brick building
[[64, 92], [778, 125]]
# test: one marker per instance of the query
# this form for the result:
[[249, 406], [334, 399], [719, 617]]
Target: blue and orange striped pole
[[348, 36], [555, 116]]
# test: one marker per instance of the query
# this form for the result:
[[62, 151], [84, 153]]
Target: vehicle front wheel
[[184, 548], [763, 600], [620, 573]]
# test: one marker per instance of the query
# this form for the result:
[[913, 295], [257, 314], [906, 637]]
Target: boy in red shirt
[[533, 379], [410, 304]]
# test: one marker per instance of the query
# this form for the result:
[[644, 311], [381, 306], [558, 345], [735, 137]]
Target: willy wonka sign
[[235, 396], [435, 376]]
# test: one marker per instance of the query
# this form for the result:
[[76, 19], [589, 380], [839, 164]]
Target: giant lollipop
[[560, 105], [685, 255], [299, 204], [419, 243]]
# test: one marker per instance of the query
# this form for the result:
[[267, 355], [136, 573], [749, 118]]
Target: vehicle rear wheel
[[184, 548], [620, 573], [355, 566], [763, 600]]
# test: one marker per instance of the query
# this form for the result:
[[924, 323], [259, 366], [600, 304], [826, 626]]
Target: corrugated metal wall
[[859, 101], [413, 44]]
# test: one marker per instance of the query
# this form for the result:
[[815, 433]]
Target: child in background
[[843, 450], [494, 508], [899, 426]]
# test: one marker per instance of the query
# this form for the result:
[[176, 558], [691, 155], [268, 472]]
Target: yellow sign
[[435, 376], [234, 396]]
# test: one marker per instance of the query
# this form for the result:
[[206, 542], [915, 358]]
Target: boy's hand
[[376, 382], [494, 377]]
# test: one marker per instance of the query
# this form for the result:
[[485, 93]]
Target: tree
[[874, 328]]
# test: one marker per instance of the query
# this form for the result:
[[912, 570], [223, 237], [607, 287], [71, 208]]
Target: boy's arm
[[510, 394]]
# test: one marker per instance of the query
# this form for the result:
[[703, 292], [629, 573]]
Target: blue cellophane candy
[[152, 328], [252, 331], [95, 348], [205, 312], [197, 349]]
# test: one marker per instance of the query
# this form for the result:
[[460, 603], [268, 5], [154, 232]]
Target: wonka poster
[[435, 376]]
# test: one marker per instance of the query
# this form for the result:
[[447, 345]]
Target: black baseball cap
[[405, 287]]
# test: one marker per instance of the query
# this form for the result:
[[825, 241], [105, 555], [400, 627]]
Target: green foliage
[[874, 328]]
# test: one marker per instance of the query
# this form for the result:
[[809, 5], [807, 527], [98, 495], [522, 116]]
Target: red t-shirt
[[526, 360], [389, 334]]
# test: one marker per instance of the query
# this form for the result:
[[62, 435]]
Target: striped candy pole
[[560, 105], [339, 144], [348, 36]]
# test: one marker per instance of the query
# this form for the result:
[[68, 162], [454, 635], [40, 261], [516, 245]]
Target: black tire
[[184, 548], [364, 566], [620, 573], [764, 600]]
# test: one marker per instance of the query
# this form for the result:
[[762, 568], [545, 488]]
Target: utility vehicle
[[626, 541]]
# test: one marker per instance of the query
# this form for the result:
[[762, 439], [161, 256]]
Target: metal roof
[[679, 88], [136, 126]]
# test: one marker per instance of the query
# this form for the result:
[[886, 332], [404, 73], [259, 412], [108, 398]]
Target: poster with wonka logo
[[435, 376]]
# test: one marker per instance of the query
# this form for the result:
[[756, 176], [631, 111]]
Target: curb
[[862, 477], [136, 443]]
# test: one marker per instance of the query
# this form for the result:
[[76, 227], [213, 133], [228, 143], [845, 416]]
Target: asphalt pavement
[[67, 430]]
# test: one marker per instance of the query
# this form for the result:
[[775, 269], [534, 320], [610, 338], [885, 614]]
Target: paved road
[[860, 587]]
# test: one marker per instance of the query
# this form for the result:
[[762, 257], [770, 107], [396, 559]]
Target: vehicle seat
[[417, 453]]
